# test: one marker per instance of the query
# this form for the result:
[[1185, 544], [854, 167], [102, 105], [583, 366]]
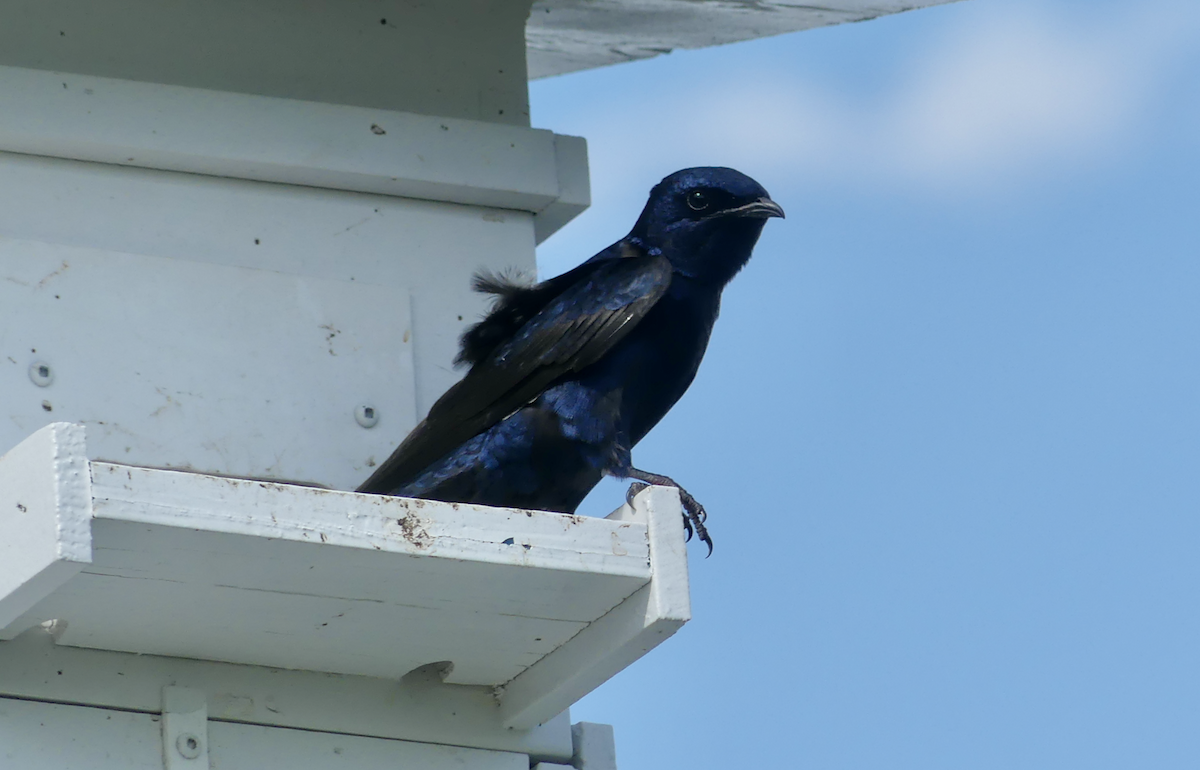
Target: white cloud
[[1018, 91]]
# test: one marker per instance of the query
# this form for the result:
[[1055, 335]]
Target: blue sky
[[948, 427]]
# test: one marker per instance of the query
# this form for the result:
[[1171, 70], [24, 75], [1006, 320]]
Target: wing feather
[[571, 331]]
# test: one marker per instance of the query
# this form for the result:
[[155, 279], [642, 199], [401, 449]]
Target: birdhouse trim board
[[32, 734], [314, 144], [420, 707]]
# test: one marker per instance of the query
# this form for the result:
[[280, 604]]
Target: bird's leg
[[694, 514]]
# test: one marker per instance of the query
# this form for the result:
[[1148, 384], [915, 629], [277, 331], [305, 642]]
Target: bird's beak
[[763, 208]]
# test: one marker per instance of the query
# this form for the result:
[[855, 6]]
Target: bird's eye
[[697, 200]]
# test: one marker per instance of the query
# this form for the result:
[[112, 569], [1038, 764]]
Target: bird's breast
[[654, 365]]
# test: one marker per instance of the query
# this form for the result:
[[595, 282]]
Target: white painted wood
[[371, 523], [595, 748], [45, 517], [197, 566], [55, 736], [569, 35], [624, 634], [270, 574], [253, 747], [213, 368], [419, 707], [574, 187], [344, 54], [51, 736], [463, 59], [213, 568], [399, 351], [184, 729], [418, 255], [422, 250], [669, 589], [290, 141]]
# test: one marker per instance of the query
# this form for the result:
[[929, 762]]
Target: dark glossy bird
[[569, 374]]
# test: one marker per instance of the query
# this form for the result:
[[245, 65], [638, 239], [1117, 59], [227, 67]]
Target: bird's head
[[706, 221]]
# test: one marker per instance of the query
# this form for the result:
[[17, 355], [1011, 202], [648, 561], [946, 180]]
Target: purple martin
[[567, 375]]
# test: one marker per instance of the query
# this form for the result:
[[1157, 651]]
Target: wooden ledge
[[540, 606]]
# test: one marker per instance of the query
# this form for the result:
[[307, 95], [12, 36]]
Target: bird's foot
[[634, 489], [694, 514]]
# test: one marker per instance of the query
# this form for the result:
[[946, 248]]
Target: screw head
[[188, 745], [41, 374], [366, 416]]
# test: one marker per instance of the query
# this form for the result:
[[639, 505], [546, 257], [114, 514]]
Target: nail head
[[41, 374], [366, 416]]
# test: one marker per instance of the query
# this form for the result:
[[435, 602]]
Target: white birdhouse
[[235, 249]]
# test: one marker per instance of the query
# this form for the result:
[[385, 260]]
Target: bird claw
[[634, 488], [694, 514]]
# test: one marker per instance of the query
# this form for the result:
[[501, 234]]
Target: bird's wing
[[517, 304], [572, 331]]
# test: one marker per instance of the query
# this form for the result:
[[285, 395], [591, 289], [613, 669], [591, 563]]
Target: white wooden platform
[[537, 608]]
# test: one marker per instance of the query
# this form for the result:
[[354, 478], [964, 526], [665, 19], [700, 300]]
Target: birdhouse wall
[[250, 285]]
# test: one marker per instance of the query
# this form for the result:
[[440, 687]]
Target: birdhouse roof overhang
[[569, 35], [458, 58]]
